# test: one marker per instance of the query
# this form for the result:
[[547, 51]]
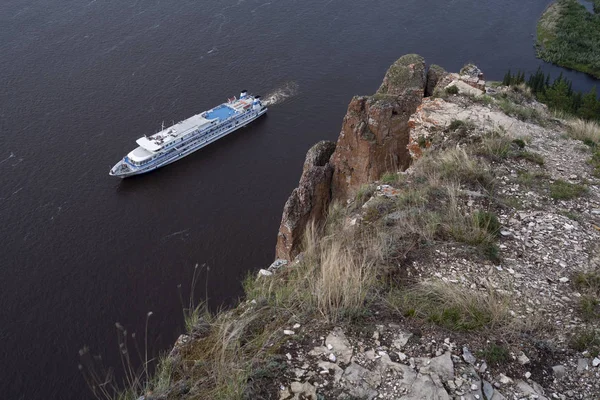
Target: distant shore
[[569, 35]]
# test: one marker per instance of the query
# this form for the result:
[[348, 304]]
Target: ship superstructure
[[185, 137]]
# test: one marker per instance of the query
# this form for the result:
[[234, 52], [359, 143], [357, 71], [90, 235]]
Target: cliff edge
[[446, 247]]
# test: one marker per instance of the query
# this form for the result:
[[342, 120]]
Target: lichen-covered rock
[[434, 75], [375, 130], [309, 201], [407, 74]]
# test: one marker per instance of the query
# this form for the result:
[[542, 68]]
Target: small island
[[569, 35]]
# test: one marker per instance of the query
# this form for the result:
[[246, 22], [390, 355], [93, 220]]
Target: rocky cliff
[[469, 270], [373, 141], [308, 202]]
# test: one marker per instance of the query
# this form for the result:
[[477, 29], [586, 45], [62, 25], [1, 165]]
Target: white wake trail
[[281, 94]]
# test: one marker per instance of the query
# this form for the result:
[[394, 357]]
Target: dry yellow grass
[[584, 130]]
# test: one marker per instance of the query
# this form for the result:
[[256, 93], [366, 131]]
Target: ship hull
[[177, 154]]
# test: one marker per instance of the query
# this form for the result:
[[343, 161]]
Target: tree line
[[558, 94]]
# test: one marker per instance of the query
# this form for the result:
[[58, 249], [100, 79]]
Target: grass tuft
[[562, 190], [495, 354], [452, 90], [586, 340], [586, 131], [452, 307]]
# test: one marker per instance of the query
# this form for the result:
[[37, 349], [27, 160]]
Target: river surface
[[82, 79]]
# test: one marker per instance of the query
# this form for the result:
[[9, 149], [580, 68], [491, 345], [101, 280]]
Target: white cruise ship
[[187, 136]]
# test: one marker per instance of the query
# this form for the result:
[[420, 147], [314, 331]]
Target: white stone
[[564, 279], [288, 332], [504, 379], [332, 357], [296, 326], [527, 374], [264, 272], [596, 362], [523, 359]]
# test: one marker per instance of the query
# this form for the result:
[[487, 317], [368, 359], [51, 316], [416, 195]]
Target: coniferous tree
[[507, 79], [557, 96], [590, 106]]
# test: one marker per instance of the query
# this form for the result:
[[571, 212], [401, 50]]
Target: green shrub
[[531, 157], [589, 307], [586, 340], [390, 178], [520, 143], [562, 190], [495, 354], [451, 307], [452, 90], [487, 221]]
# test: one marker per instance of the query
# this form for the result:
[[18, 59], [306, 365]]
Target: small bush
[[589, 307], [390, 178], [531, 179], [452, 307], [587, 281], [455, 124], [520, 112], [586, 131], [531, 157], [586, 340], [364, 193], [495, 354], [496, 147], [487, 221], [562, 190], [520, 143], [485, 99], [458, 166], [595, 162], [452, 90]]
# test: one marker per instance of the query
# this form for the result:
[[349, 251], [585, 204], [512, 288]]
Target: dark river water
[[82, 79]]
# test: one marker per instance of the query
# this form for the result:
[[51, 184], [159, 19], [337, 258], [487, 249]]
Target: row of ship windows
[[208, 136]]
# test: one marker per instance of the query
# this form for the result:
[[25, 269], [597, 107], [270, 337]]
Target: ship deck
[[221, 112]]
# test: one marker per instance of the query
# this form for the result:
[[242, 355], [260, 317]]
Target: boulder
[[375, 130], [308, 202]]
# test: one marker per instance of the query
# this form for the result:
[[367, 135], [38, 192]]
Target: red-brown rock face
[[309, 201], [375, 131]]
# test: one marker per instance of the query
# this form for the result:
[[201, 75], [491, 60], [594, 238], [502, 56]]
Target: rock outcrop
[[434, 75], [308, 202], [375, 130]]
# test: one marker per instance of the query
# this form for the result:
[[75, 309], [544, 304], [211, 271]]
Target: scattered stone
[[401, 339], [441, 366], [277, 264], [505, 380], [559, 371], [337, 371], [488, 390], [339, 345], [523, 359], [583, 364], [304, 389], [468, 356]]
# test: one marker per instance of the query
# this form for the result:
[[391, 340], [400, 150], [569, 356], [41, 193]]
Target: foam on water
[[281, 94]]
